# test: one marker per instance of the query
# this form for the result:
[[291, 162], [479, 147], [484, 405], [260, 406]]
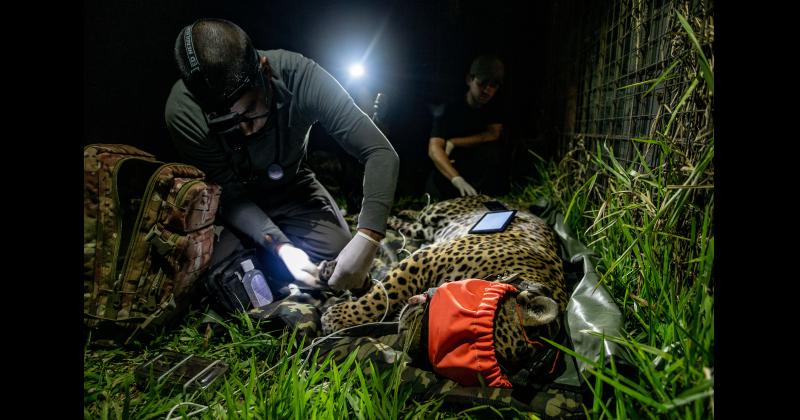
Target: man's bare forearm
[[491, 133], [440, 159]]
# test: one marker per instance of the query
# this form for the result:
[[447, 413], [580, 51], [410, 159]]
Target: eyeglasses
[[224, 124]]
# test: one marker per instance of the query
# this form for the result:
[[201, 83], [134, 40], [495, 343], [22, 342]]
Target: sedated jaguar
[[526, 253]]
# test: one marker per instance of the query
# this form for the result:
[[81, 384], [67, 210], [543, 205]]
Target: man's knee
[[321, 240]]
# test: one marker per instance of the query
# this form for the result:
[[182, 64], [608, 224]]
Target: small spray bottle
[[256, 285]]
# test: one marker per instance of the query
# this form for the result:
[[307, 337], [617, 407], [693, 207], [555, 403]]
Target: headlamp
[[209, 92]]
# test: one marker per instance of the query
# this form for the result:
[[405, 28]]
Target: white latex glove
[[353, 263], [448, 147], [463, 186], [300, 266]]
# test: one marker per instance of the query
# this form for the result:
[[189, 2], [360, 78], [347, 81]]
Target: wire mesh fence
[[626, 47]]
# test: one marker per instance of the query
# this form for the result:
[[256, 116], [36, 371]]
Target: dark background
[[416, 52]]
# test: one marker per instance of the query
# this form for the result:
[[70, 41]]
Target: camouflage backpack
[[148, 235]]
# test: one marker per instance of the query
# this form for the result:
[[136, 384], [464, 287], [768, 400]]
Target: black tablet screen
[[493, 221]]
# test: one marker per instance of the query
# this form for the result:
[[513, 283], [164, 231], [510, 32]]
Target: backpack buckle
[[156, 238]]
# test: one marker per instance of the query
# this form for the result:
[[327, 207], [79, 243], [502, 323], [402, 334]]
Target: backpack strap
[[169, 301]]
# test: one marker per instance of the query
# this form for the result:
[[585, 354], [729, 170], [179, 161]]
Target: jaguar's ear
[[536, 309]]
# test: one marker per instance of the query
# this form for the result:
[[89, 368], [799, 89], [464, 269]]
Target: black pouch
[[223, 283]]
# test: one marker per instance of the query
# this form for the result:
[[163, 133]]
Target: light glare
[[356, 70]]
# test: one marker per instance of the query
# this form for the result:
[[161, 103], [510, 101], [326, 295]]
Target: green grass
[[652, 228], [653, 233], [267, 380]]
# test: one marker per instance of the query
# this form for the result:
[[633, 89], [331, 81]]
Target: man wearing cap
[[463, 144], [243, 116]]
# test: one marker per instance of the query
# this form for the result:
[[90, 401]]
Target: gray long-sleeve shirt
[[305, 94]]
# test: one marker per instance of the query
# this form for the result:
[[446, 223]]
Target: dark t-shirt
[[458, 119], [478, 165]]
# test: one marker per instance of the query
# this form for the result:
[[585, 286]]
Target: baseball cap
[[488, 68]]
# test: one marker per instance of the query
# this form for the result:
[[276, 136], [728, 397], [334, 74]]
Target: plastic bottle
[[256, 285]]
